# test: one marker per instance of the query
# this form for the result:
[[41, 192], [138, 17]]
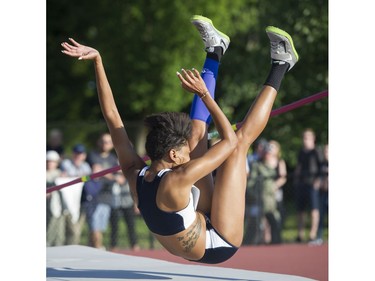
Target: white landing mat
[[78, 263]]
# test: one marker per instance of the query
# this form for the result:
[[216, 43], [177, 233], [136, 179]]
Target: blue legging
[[209, 76]]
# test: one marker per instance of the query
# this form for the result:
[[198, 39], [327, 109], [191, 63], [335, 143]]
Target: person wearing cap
[[55, 222], [75, 167]]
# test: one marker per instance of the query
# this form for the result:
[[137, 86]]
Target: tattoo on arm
[[190, 238]]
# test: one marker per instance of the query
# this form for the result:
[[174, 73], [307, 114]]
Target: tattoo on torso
[[190, 238]]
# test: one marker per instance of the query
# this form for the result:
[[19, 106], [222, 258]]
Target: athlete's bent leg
[[228, 203]]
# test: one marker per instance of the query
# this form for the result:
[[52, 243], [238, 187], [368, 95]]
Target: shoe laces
[[203, 31], [278, 47]]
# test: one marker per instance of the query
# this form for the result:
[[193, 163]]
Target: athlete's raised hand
[[79, 51], [192, 82]]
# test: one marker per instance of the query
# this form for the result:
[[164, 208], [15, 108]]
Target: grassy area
[[289, 232]]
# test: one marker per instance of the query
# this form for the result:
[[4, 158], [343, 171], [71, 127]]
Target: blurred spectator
[[253, 233], [323, 198], [96, 195], [75, 167], [55, 142], [106, 158], [123, 206], [275, 152], [264, 177], [273, 222], [306, 184], [55, 220], [258, 150], [104, 154]]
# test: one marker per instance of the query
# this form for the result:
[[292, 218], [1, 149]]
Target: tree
[[144, 43], [244, 69]]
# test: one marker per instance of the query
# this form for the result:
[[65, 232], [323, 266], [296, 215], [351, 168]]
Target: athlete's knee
[[244, 141]]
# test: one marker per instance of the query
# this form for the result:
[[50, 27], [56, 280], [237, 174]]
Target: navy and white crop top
[[159, 221]]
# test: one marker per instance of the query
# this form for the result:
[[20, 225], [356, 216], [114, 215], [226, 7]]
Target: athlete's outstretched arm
[[216, 155], [128, 158]]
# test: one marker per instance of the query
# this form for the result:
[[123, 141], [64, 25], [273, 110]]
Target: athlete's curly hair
[[167, 130]]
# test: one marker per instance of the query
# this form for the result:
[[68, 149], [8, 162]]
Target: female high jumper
[[189, 213]]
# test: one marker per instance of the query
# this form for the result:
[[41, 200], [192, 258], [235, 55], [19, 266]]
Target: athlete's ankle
[[217, 54], [276, 74]]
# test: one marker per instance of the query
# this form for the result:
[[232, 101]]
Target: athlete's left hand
[[79, 51], [192, 81]]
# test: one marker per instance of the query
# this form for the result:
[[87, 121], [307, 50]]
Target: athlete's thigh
[[228, 202]]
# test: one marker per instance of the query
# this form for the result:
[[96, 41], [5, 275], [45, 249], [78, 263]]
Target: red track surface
[[293, 259]]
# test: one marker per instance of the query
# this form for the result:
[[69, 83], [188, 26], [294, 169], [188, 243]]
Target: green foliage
[[246, 66], [144, 43]]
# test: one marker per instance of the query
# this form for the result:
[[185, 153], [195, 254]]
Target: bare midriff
[[189, 243]]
